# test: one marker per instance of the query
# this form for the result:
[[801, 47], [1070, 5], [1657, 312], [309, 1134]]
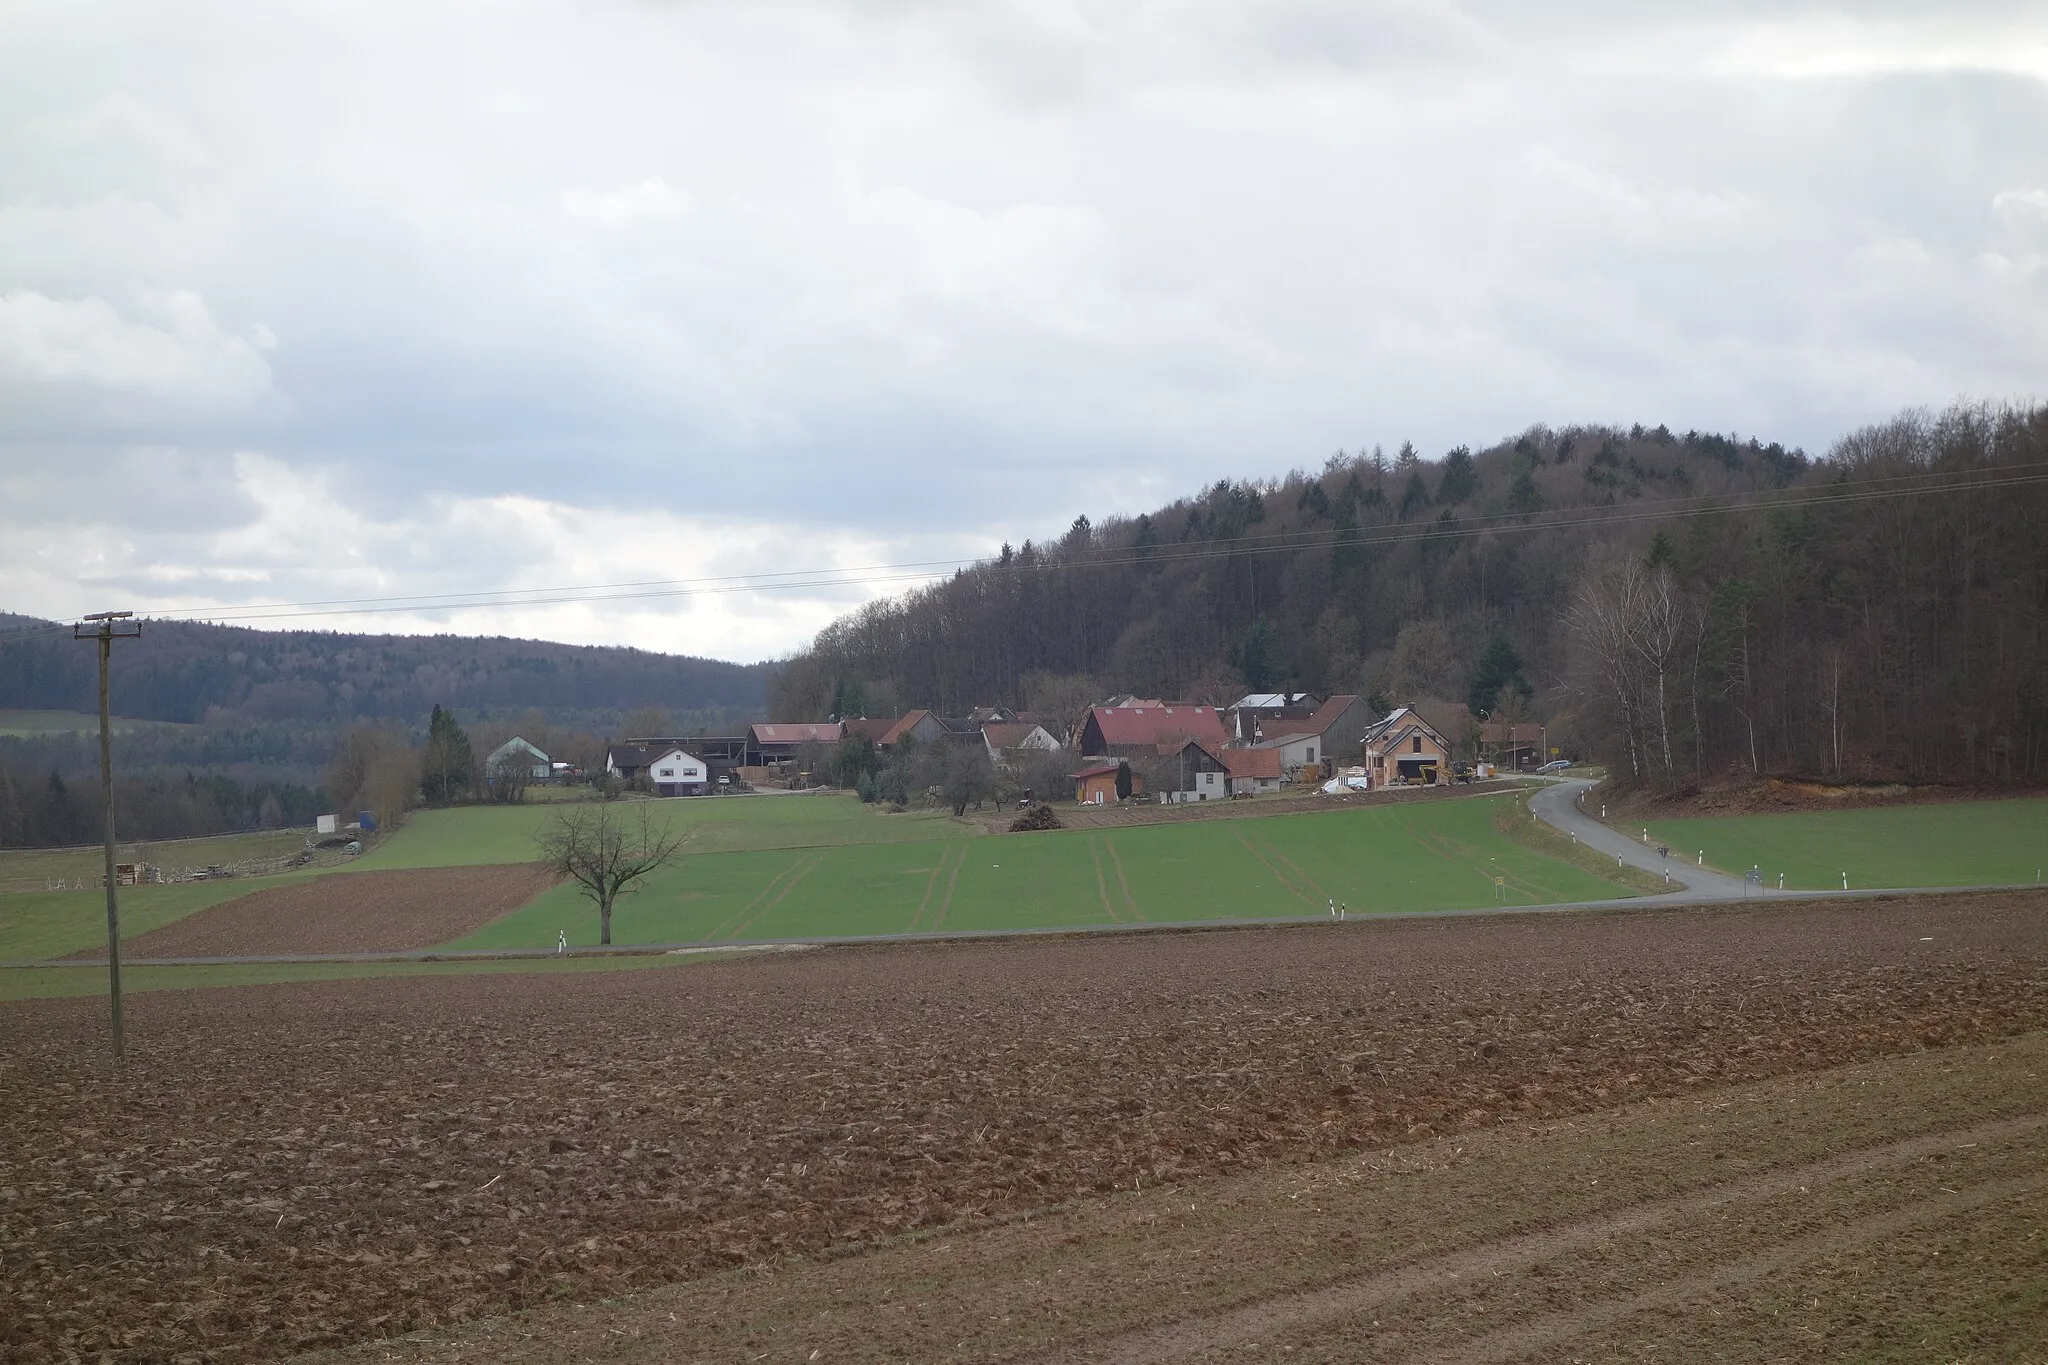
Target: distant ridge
[[191, 671]]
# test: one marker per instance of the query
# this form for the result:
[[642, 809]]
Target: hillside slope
[[1679, 605]]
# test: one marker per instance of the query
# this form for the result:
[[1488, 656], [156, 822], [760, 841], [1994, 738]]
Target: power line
[[1276, 542]]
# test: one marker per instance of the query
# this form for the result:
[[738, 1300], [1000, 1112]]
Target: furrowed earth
[[347, 912], [292, 1167]]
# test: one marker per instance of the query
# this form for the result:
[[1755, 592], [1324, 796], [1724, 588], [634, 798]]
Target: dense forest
[[230, 676], [1679, 605]]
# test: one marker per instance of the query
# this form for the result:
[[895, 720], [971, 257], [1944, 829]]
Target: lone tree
[[604, 851]]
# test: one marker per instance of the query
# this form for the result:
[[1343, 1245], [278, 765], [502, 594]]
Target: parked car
[[1556, 765]]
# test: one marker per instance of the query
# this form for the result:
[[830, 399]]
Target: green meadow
[[1962, 843], [1430, 856], [39, 925], [471, 836]]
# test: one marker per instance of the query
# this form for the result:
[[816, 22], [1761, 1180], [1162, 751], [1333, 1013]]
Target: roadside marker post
[[107, 627]]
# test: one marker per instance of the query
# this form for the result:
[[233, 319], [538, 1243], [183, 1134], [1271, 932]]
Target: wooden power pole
[[107, 627]]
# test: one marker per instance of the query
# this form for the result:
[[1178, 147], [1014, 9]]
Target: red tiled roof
[[1259, 763], [820, 732], [1007, 734], [1151, 726], [903, 727], [1095, 770], [877, 729]]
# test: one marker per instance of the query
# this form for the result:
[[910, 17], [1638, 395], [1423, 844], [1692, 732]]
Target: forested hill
[[187, 671], [1678, 603]]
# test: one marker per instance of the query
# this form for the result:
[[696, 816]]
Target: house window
[[668, 772], [1311, 753], [1418, 744]]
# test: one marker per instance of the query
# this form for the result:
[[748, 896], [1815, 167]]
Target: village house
[[919, 727], [669, 770], [1323, 741], [874, 731], [1405, 748], [1141, 731], [1188, 772], [1251, 714], [1006, 739], [1252, 770]]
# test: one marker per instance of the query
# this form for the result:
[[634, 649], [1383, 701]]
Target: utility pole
[[108, 627]]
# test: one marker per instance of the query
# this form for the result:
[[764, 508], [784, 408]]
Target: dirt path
[[347, 912]]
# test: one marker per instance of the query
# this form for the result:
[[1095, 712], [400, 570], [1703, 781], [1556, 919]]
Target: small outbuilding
[[1095, 785]]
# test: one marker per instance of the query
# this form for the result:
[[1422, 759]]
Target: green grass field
[[30, 723], [470, 836], [1439, 855], [1964, 843], [39, 925]]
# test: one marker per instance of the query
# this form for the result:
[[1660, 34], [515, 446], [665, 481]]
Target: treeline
[[233, 676], [50, 812], [1856, 614], [270, 752]]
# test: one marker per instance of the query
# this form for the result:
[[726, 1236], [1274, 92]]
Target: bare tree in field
[[604, 850]]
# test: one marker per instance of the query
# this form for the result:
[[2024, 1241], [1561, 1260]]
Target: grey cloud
[[843, 265]]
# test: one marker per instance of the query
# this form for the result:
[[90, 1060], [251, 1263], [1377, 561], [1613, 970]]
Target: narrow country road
[[1557, 805]]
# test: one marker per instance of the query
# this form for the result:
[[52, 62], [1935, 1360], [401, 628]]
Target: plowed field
[[348, 912], [288, 1167]]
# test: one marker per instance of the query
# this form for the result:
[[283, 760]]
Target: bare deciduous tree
[[605, 850]]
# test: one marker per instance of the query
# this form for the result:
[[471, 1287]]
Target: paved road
[[1557, 805]]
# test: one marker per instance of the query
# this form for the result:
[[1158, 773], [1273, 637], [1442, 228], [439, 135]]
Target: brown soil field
[[347, 912], [1073, 815], [284, 1168], [1895, 1209]]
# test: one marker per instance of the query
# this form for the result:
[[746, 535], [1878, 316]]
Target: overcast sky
[[338, 299]]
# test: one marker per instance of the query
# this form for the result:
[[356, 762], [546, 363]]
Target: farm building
[[1251, 714], [1252, 770], [1006, 738], [874, 731], [1406, 748], [1095, 785], [1188, 772], [771, 745], [919, 727], [516, 749], [1323, 740], [1141, 731]]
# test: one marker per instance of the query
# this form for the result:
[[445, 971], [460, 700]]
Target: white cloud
[[178, 354], [888, 270], [251, 530], [650, 199]]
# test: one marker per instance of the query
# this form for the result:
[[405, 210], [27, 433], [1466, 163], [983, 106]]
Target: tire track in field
[[1101, 882], [1272, 868], [1554, 1329], [951, 881], [1123, 883], [731, 921], [802, 870], [1266, 1319], [1274, 849], [929, 883], [1449, 850]]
